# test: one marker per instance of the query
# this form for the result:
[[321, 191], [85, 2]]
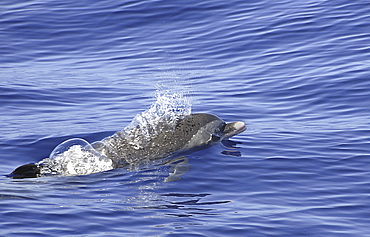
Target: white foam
[[75, 157]]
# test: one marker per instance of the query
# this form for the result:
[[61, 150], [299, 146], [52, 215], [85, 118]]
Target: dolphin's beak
[[232, 129]]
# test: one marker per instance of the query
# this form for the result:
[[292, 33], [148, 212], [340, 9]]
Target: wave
[[76, 156]]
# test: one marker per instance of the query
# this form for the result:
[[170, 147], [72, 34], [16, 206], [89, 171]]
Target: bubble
[[66, 145], [76, 157]]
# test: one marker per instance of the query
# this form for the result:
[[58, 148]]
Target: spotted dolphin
[[186, 134]]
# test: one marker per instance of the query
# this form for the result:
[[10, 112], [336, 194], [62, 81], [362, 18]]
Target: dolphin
[[186, 134]]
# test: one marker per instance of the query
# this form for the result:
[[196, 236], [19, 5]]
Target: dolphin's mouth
[[232, 129]]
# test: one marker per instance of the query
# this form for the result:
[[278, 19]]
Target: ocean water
[[296, 72]]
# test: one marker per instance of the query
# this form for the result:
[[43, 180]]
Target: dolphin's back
[[169, 140]]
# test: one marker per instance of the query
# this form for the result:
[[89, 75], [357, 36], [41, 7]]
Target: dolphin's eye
[[220, 128]]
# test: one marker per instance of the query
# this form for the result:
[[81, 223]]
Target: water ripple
[[295, 72]]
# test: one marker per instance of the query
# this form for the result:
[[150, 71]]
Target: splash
[[78, 157], [168, 107]]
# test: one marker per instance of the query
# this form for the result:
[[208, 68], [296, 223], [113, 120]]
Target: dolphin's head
[[212, 130], [25, 171]]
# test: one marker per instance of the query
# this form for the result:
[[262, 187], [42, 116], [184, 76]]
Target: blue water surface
[[296, 72]]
